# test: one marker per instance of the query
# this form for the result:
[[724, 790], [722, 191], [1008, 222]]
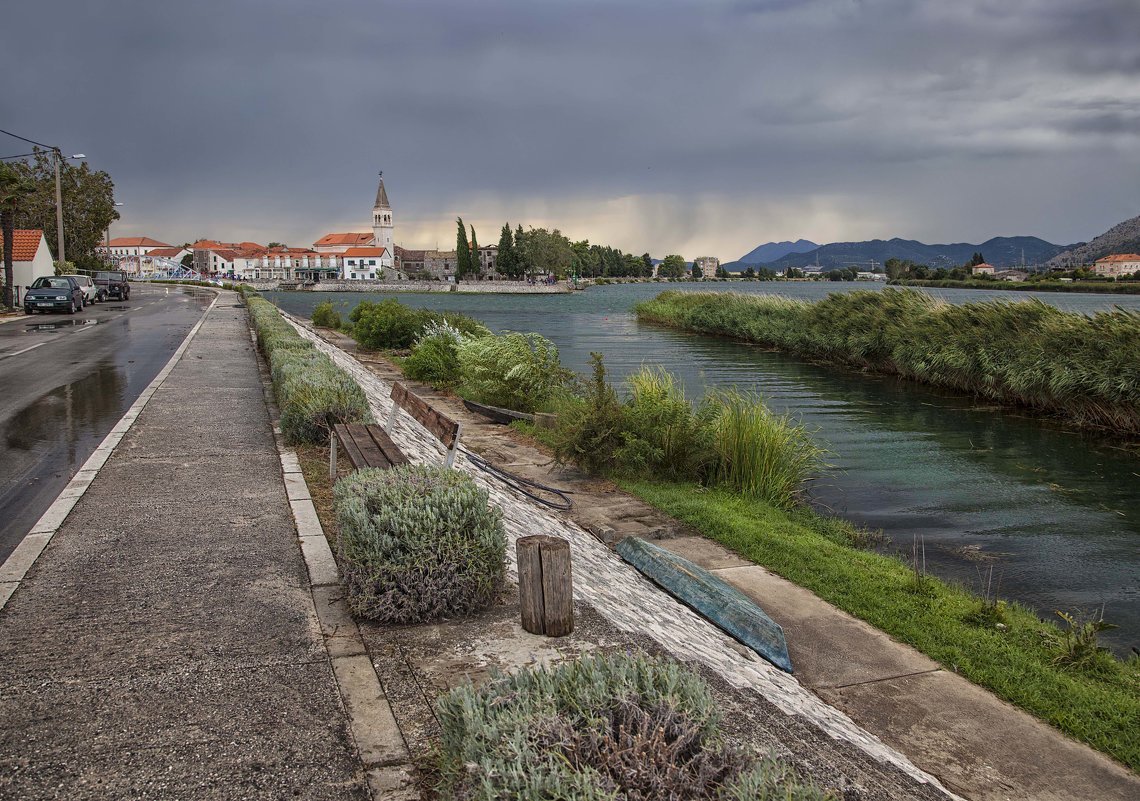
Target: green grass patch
[[1097, 702]]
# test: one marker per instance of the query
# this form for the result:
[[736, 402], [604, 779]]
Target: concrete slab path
[[165, 643]]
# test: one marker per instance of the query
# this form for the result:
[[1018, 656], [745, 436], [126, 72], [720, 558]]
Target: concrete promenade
[[165, 643]]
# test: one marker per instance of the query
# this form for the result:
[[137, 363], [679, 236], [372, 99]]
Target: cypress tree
[[507, 264], [476, 263], [462, 252]]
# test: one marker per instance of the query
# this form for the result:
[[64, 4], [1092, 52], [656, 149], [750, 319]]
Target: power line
[[29, 141], [21, 156]]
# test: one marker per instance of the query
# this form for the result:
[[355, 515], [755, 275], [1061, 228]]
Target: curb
[[20, 561], [383, 751]]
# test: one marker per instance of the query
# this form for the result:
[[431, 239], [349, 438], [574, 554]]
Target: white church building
[[366, 256]]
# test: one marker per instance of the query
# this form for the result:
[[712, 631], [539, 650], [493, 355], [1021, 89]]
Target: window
[[354, 275], [372, 262]]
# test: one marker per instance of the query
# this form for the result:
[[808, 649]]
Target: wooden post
[[546, 595]]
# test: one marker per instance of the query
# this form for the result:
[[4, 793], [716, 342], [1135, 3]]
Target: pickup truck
[[112, 284]]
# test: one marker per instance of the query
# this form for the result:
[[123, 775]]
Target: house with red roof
[[365, 264], [982, 269], [131, 246], [31, 257], [1118, 264]]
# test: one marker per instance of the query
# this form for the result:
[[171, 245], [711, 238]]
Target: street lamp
[[109, 259], [59, 158]]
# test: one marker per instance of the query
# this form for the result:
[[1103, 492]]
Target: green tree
[[548, 252], [749, 272], [462, 251], [14, 188], [696, 270], [476, 262], [646, 266], [672, 266], [88, 205], [522, 252], [508, 263], [277, 245]]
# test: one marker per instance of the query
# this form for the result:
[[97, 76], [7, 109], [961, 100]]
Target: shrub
[[762, 454], [326, 316], [418, 543], [601, 727], [516, 371], [435, 357], [389, 324], [590, 430], [665, 435], [313, 393]]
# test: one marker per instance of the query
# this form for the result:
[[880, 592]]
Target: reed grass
[[1023, 353], [760, 453]]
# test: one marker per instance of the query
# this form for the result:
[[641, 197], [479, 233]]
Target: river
[[1056, 512]]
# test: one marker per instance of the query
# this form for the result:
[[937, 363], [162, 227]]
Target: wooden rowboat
[[497, 414], [721, 603]]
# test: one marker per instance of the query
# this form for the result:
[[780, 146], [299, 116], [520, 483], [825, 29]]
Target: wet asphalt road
[[65, 380]]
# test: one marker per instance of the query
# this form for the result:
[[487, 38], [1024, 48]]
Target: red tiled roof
[[25, 243], [364, 252], [1120, 257], [163, 253], [983, 266], [343, 239], [137, 241]]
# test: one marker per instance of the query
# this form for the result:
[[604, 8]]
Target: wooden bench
[[368, 445]]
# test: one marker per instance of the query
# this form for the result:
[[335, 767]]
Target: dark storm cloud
[[825, 118]]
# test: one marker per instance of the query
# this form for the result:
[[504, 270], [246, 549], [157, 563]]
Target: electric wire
[[29, 141], [520, 484]]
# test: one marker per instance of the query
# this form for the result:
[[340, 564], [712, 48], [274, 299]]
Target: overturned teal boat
[[722, 604]]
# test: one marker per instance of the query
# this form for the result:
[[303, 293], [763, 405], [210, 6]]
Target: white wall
[[25, 272]]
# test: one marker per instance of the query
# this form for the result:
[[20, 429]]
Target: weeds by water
[[1078, 644], [1025, 353]]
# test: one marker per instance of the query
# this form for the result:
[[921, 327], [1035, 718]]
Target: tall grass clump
[[312, 393], [1024, 353], [435, 356], [418, 543], [512, 370], [617, 726], [727, 439], [759, 453]]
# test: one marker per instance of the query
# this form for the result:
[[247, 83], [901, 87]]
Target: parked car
[[54, 293], [90, 291], [112, 284]]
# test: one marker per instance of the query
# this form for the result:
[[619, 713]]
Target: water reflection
[[67, 412]]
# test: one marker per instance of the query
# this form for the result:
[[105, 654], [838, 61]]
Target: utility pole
[[59, 209]]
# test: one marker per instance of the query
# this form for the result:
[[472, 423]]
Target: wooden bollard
[[545, 587]]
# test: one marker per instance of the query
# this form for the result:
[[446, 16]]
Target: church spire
[[381, 195]]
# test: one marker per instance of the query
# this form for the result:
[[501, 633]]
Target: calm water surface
[[1058, 512]]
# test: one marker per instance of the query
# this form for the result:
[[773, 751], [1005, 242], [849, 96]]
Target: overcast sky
[[651, 125]]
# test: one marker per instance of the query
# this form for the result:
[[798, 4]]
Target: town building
[[130, 246], [364, 264], [982, 269], [31, 258], [707, 265], [1117, 265], [381, 238]]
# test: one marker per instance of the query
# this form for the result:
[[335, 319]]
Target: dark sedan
[[54, 293]]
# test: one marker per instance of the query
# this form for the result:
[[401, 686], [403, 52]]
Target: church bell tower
[[382, 220]]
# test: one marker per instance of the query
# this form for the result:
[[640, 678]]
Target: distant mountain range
[[765, 254], [1001, 251], [1121, 238]]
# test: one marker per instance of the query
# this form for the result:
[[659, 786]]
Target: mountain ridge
[[1000, 251], [1124, 237]]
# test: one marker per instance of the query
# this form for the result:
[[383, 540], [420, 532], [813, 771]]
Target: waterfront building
[[383, 228], [364, 264], [982, 269], [707, 265], [1117, 265], [130, 246]]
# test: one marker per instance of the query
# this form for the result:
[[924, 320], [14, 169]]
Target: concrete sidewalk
[[165, 643]]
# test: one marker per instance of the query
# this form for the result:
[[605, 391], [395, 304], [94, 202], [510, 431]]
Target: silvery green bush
[[418, 543], [616, 726], [312, 393]]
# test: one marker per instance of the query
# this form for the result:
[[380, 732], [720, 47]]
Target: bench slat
[[372, 453], [444, 428], [390, 450], [351, 449]]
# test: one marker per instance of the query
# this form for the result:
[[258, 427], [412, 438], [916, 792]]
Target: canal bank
[[974, 743], [1056, 513]]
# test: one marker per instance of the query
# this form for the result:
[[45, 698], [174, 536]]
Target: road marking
[[25, 350], [16, 566]]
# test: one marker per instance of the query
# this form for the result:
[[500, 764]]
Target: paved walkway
[[165, 644]]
